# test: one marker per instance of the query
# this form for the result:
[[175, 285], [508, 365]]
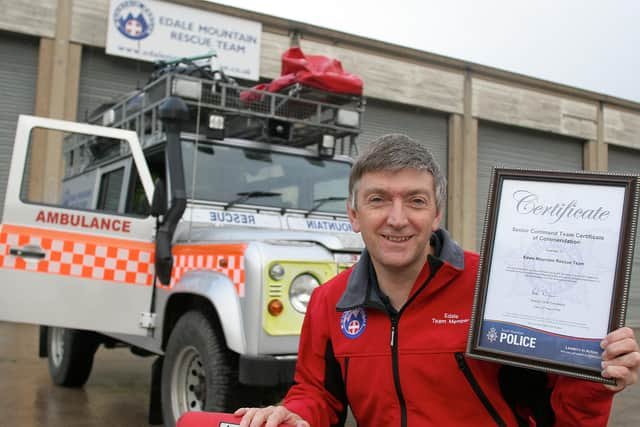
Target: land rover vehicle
[[193, 220]]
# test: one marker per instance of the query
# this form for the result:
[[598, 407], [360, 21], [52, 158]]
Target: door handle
[[28, 251]]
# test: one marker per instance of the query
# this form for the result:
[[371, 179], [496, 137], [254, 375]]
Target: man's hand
[[621, 358], [273, 416]]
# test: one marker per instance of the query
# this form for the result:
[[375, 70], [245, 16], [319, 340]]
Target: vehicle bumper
[[267, 370]]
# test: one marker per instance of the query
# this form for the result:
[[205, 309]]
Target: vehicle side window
[[110, 190], [76, 171], [137, 202]]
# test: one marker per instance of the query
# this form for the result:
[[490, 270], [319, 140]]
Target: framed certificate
[[555, 265]]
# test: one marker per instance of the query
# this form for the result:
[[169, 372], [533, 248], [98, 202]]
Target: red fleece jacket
[[410, 369]]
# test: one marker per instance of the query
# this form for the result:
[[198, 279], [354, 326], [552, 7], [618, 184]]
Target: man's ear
[[437, 220], [353, 217]]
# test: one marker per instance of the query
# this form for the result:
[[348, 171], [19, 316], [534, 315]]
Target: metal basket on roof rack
[[219, 107]]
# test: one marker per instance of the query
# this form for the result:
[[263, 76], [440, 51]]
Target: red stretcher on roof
[[316, 71], [211, 419]]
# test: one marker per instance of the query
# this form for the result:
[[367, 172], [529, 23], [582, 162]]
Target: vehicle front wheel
[[70, 355], [199, 373]]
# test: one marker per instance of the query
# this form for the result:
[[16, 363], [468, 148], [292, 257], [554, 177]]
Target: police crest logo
[[133, 19], [353, 323], [492, 335]]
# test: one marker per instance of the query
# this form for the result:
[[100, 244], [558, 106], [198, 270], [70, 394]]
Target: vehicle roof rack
[[298, 116]]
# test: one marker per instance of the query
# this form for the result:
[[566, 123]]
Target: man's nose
[[397, 216]]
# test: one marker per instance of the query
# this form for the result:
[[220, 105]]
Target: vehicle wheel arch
[[215, 295]]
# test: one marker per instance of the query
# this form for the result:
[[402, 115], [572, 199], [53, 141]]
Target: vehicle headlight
[[300, 291]]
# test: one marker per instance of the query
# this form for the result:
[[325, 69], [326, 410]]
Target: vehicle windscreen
[[237, 175]]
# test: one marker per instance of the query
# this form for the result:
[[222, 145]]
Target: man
[[371, 339]]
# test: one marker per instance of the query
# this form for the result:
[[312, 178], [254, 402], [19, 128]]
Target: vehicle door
[[70, 254]]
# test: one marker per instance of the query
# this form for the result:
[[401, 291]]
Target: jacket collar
[[358, 290]]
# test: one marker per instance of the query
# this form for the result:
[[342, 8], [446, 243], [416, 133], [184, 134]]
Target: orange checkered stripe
[[227, 259], [78, 255], [117, 260]]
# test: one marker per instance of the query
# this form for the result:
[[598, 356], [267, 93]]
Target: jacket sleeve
[[310, 397], [580, 403]]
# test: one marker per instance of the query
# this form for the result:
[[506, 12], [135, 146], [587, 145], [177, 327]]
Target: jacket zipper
[[344, 382], [346, 373], [395, 318], [462, 364]]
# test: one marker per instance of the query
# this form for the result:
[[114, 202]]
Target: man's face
[[396, 214]]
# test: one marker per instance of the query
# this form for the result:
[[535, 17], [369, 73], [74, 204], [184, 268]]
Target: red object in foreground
[[211, 419]]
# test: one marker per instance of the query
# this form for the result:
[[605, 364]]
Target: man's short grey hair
[[394, 152]]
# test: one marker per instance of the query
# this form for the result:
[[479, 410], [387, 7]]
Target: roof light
[[108, 117], [327, 146], [216, 121], [184, 88], [348, 118]]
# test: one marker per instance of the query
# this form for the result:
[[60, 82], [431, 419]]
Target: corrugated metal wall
[[625, 160], [18, 76], [105, 78], [520, 148], [423, 125]]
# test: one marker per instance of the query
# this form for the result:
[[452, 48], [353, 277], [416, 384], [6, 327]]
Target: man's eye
[[418, 202]]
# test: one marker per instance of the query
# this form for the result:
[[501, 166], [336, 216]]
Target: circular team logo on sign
[[133, 19], [353, 323]]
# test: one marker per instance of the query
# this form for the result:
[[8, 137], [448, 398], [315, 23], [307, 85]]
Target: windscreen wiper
[[246, 195], [322, 201]]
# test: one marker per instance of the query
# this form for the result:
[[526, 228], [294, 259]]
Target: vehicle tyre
[[70, 355], [199, 373]]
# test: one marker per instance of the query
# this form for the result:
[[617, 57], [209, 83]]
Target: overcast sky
[[589, 44]]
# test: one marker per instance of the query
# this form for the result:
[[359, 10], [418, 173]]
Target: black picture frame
[[549, 285]]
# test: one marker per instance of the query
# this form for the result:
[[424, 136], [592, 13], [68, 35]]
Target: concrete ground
[[117, 391]]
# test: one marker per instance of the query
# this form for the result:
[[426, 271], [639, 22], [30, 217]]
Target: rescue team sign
[[151, 30]]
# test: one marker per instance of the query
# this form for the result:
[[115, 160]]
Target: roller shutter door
[[18, 76], [626, 160], [520, 148], [422, 125], [105, 78]]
